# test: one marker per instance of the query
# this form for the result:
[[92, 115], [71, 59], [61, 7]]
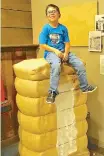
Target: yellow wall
[[78, 23], [95, 100]]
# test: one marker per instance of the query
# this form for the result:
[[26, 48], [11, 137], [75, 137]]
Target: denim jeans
[[74, 61]]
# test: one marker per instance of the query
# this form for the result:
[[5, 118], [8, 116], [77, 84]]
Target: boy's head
[[52, 12]]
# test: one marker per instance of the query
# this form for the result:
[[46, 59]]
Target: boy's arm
[[67, 44], [67, 50], [51, 49], [67, 47]]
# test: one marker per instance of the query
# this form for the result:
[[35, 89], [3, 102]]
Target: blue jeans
[[74, 61]]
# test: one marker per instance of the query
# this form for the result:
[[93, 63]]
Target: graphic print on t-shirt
[[54, 38]]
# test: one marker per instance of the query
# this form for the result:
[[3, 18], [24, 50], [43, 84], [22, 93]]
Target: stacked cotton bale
[[50, 129]]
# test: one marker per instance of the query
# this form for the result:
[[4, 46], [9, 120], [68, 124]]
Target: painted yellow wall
[[79, 19], [95, 100]]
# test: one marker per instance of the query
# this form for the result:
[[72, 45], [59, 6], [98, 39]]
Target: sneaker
[[51, 97], [90, 89]]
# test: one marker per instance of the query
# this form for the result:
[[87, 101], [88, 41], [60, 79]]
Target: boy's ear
[[59, 15]]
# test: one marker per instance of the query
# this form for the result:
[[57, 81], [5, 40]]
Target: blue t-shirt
[[54, 37]]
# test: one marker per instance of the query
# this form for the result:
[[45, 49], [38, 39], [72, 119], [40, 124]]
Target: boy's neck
[[54, 24]]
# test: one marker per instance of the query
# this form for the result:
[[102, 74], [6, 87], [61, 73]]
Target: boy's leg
[[78, 65], [55, 63]]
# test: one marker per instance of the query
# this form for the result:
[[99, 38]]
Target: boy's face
[[52, 14]]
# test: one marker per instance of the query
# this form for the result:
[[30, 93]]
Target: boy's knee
[[81, 67], [56, 68]]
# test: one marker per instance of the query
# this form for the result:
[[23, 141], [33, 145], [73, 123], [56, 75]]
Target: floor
[[10, 150], [13, 151], [98, 152], [94, 150]]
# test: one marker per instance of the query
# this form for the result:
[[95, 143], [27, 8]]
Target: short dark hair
[[54, 6]]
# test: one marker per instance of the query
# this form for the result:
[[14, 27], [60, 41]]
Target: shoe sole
[[90, 91], [50, 102]]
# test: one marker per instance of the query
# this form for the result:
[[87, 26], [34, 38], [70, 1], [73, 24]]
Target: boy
[[55, 41]]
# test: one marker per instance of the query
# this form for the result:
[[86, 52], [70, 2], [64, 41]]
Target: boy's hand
[[65, 58], [59, 54]]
